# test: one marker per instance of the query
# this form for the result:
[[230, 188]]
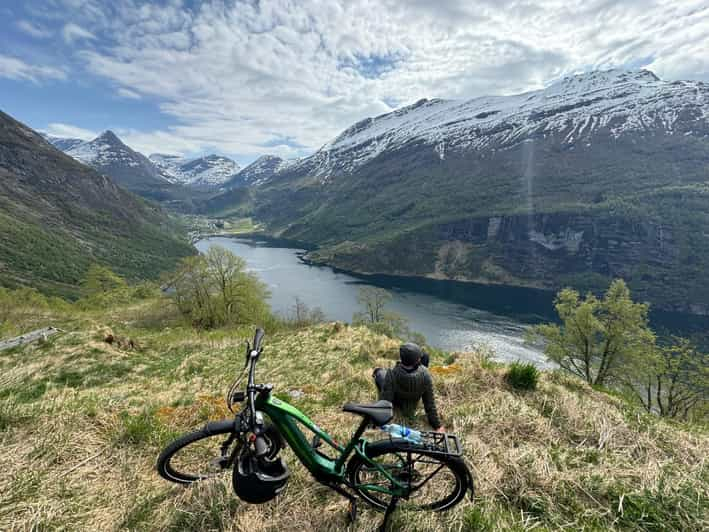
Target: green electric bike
[[429, 473]]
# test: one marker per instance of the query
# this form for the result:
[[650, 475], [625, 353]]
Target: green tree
[[101, 280], [214, 289], [598, 339], [676, 382]]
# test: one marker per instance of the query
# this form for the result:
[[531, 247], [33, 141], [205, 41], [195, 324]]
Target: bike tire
[[208, 441], [461, 480]]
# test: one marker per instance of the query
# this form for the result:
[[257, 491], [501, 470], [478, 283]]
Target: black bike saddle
[[380, 412]]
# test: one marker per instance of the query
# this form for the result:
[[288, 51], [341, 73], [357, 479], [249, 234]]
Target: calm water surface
[[452, 315], [449, 320]]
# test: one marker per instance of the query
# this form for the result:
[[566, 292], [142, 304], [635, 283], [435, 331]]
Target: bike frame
[[287, 418]]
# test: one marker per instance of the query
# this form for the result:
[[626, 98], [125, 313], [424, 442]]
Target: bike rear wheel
[[436, 482], [207, 453]]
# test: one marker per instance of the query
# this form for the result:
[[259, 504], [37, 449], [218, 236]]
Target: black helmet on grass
[[257, 480]]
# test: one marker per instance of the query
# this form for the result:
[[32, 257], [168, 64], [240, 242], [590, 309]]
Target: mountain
[[58, 216], [260, 171], [109, 155], [598, 175], [168, 166], [210, 171], [63, 144], [154, 180]]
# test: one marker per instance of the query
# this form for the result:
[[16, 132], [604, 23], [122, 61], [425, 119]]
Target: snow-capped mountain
[[260, 171], [595, 177], [209, 171], [109, 155], [573, 110], [169, 166], [62, 144]]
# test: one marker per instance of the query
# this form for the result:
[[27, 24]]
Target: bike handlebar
[[251, 387], [258, 336]]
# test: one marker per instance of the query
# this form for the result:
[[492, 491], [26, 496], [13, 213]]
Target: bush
[[522, 376]]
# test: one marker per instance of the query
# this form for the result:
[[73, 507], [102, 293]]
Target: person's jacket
[[403, 388]]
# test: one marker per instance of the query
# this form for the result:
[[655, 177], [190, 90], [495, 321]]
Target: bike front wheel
[[434, 481], [208, 452]]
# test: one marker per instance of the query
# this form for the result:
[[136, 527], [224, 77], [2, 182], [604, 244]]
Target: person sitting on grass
[[407, 382]]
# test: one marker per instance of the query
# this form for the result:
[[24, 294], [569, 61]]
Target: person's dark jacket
[[405, 387]]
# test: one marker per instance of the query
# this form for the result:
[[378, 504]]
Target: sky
[[283, 77]]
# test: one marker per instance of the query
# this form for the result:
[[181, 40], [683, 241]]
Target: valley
[[598, 176]]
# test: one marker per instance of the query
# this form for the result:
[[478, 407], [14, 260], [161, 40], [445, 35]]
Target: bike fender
[[220, 427]]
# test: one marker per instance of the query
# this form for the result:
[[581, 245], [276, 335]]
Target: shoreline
[[526, 308]]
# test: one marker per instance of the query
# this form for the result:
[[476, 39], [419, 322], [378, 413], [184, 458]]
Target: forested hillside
[[58, 216]]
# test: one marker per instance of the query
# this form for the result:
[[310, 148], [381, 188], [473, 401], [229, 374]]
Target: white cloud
[[14, 68], [127, 93], [58, 129], [71, 33], [248, 78], [34, 30]]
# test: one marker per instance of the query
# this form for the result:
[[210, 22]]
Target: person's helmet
[[410, 354], [257, 481]]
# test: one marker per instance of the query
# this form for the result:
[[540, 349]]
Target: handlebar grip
[[257, 339]]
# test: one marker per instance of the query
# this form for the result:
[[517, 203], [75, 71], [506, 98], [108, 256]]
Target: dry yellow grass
[[82, 423]]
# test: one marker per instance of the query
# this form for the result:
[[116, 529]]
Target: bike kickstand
[[352, 511], [390, 510], [352, 508]]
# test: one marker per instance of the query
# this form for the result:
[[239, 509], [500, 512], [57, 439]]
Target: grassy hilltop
[[82, 422]]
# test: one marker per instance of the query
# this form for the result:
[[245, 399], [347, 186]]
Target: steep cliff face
[[548, 251]]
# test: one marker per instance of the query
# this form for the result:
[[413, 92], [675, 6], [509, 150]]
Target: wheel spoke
[[429, 477]]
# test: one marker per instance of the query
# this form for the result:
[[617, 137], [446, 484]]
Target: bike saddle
[[380, 412]]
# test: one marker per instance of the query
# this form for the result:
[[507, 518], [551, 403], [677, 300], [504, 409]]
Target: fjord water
[[452, 315], [445, 313]]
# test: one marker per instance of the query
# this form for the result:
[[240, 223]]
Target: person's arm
[[387, 392], [429, 404]]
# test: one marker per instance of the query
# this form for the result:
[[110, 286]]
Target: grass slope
[[82, 422]]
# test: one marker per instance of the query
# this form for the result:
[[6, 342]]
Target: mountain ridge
[[209, 171], [596, 176]]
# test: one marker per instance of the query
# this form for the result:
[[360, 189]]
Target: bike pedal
[[316, 442]]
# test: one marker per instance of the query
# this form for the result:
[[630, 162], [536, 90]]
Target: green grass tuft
[[522, 376]]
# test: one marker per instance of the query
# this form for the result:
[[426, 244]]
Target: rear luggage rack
[[435, 442]]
